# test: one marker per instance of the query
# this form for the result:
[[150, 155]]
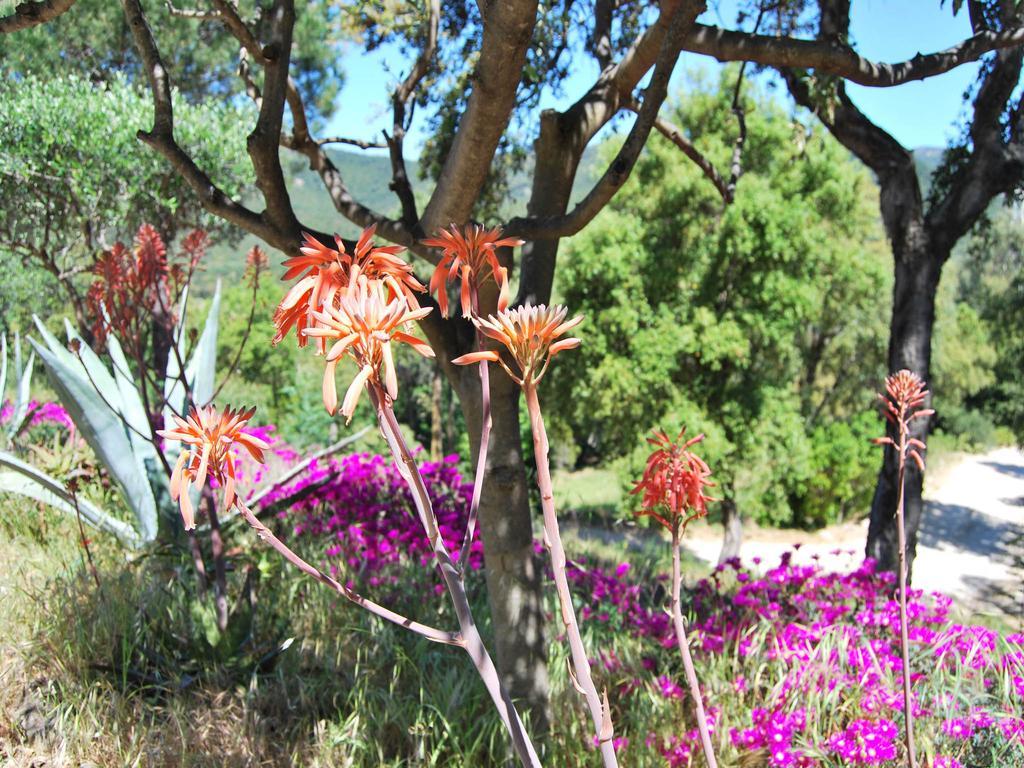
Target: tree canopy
[[76, 178], [756, 324]]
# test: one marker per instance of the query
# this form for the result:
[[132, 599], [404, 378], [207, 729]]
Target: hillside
[[368, 176]]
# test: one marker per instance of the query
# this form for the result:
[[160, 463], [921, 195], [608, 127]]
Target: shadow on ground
[[1013, 470], [957, 528]]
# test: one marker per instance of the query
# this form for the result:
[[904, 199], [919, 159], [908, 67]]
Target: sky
[[917, 114]]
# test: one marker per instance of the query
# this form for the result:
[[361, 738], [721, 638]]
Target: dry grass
[[126, 676]]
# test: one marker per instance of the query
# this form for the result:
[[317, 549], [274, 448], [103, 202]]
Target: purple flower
[[957, 728]]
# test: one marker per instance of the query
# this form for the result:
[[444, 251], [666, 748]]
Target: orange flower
[[905, 393], [674, 480], [211, 438], [529, 334], [326, 272], [470, 254], [364, 320]]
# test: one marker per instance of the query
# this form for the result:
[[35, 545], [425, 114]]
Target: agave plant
[[108, 409], [21, 390]]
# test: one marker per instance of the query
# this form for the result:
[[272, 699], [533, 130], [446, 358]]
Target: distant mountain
[[367, 177], [927, 161]]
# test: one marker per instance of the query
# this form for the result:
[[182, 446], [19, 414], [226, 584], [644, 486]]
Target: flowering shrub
[[808, 663], [40, 413], [801, 666], [363, 514]]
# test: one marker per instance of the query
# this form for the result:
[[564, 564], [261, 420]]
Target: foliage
[[115, 408], [991, 282], [793, 662], [841, 472], [74, 180], [743, 323], [92, 41]]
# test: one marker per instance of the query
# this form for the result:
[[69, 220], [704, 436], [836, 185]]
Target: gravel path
[[971, 543]]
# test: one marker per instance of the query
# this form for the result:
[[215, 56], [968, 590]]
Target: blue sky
[[917, 114]]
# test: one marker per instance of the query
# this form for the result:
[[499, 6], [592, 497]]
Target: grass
[[133, 675], [591, 494]]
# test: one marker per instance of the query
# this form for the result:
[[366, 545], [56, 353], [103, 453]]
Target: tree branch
[[29, 14], [508, 31], [829, 56], [161, 138], [675, 134], [264, 141], [191, 13], [401, 100], [996, 162], [351, 142], [618, 172], [563, 138]]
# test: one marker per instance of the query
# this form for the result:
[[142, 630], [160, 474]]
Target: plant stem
[[197, 562], [73, 487], [452, 575], [220, 591], [908, 715], [599, 711], [431, 633], [481, 458], [684, 649]]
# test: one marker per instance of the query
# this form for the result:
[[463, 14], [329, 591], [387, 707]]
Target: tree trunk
[[732, 532], [513, 571], [918, 268], [436, 446]]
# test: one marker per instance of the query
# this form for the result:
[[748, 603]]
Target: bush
[[843, 468]]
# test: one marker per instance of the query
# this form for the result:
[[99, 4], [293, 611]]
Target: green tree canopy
[[75, 178], [991, 292], [761, 325], [93, 40]]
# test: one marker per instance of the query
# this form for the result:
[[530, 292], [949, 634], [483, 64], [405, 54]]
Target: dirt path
[[971, 544]]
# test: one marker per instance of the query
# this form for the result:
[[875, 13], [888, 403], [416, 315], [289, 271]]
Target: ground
[[971, 546]]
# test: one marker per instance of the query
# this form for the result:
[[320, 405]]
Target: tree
[[90, 38], [488, 63], [738, 322], [992, 280], [986, 162], [74, 181]]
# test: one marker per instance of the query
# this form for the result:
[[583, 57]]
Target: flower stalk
[[485, 439], [904, 395], [684, 649], [451, 573], [599, 709], [673, 486], [530, 336], [908, 712]]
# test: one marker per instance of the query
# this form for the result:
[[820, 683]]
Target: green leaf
[[25, 480], [99, 418], [202, 367]]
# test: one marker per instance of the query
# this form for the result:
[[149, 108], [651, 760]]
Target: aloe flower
[[673, 486], [212, 439], [531, 336], [364, 321], [325, 273], [470, 254], [674, 480], [905, 394]]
